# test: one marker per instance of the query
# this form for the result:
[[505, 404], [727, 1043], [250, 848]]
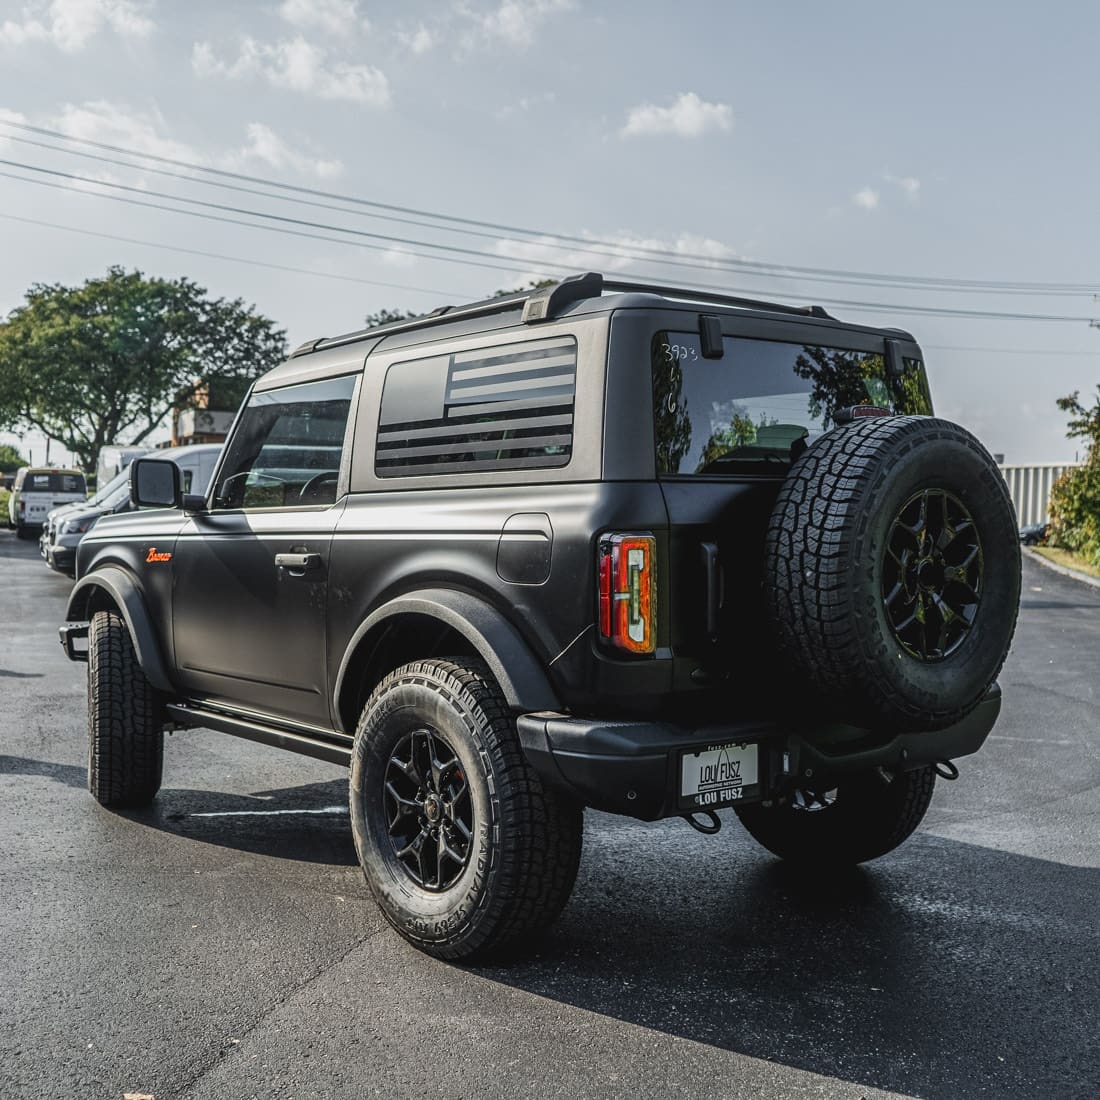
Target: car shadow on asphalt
[[945, 971], [308, 823]]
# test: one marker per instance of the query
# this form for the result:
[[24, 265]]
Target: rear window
[[49, 482], [754, 410]]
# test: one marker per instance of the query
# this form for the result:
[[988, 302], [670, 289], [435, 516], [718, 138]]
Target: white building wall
[[1029, 487]]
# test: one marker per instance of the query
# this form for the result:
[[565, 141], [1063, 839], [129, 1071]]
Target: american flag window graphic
[[503, 408]]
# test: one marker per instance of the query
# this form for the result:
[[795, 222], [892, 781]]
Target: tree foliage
[[388, 316], [1075, 496], [107, 361], [10, 459]]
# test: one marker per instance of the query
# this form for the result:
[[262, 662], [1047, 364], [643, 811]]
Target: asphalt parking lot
[[224, 943]]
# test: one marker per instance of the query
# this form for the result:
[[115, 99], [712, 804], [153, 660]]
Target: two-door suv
[[643, 549]]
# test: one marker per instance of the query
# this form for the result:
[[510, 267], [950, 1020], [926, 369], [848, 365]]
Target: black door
[[251, 573]]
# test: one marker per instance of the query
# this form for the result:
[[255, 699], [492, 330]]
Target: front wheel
[[863, 818], [466, 852], [125, 719]]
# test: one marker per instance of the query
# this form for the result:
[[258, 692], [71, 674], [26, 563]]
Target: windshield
[[113, 485], [755, 409]]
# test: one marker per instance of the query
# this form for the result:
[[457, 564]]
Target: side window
[[508, 407], [286, 450], [187, 477]]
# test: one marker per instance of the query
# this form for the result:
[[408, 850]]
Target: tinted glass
[[287, 447], [755, 409], [498, 408], [53, 483]]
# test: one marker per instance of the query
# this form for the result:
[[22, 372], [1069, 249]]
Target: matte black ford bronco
[[635, 548]]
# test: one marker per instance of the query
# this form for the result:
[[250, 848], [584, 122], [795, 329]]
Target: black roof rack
[[546, 303], [713, 296]]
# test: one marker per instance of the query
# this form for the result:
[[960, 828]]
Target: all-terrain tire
[[836, 545], [125, 719], [22, 531], [525, 840], [863, 819]]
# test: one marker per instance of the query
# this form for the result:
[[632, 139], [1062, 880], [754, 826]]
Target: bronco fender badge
[[155, 555]]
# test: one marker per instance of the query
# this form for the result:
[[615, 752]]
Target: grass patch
[[1067, 558]]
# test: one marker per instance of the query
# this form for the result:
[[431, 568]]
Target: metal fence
[[1029, 487]]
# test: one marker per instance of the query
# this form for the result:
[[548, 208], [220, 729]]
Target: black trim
[[632, 768], [191, 714]]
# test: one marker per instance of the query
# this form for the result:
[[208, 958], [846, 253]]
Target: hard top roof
[[577, 295]]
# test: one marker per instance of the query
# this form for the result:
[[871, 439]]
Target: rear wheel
[[466, 852], [22, 531], [125, 722], [863, 818]]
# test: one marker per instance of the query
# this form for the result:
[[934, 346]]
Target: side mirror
[[154, 483]]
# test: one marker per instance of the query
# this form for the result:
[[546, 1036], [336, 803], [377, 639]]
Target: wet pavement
[[224, 943]]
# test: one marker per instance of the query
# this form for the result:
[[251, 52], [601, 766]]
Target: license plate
[[719, 775]]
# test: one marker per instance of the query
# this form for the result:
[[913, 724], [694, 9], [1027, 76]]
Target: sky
[[942, 142]]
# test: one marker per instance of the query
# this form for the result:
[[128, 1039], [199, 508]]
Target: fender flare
[[517, 671], [124, 593]]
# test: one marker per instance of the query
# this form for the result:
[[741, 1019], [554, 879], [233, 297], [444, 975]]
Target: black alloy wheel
[[466, 851], [932, 574], [431, 815]]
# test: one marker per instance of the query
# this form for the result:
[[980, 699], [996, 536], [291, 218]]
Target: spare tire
[[893, 571]]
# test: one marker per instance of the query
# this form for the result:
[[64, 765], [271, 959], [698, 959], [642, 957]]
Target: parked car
[[38, 490], [55, 515], [1034, 534], [65, 528], [641, 549]]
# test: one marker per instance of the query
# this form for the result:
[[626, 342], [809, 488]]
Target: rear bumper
[[633, 768]]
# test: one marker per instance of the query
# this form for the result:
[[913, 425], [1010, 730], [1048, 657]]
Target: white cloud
[[267, 147], [144, 132], [908, 185], [544, 257], [688, 117], [524, 104], [114, 124], [333, 16], [299, 66], [866, 198], [515, 22], [418, 41], [71, 24], [398, 257]]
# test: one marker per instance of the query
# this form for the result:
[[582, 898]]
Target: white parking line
[[272, 813]]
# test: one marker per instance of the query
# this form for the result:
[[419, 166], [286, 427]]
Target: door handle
[[298, 564]]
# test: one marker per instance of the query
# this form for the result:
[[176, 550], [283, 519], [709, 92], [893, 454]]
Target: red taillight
[[627, 600]]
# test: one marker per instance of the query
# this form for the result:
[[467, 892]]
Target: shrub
[[1075, 511]]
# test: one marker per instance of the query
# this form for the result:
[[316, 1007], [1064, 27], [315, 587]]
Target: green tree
[[10, 459], [107, 361], [388, 316], [1075, 496]]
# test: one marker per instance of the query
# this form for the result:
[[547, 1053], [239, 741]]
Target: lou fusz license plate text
[[718, 774]]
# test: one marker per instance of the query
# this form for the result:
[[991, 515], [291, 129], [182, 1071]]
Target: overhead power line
[[312, 273], [466, 257], [635, 251], [610, 250]]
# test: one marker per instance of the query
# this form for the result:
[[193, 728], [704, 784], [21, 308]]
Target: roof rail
[[713, 296], [442, 315], [546, 303]]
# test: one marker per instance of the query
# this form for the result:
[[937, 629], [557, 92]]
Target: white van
[[38, 490], [114, 458]]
